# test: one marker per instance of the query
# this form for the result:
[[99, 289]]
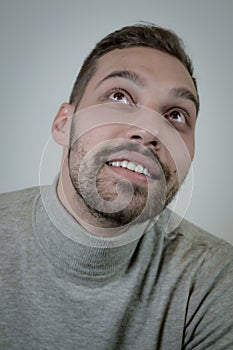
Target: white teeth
[[131, 166], [146, 172], [115, 163], [124, 164], [138, 168]]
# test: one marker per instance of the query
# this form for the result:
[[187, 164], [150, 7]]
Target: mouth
[[133, 163], [132, 166]]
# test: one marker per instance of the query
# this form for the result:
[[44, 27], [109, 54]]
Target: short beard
[[98, 191]]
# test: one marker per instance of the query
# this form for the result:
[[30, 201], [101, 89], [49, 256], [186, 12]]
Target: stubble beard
[[98, 191]]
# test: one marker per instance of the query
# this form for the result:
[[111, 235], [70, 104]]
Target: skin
[[164, 130]]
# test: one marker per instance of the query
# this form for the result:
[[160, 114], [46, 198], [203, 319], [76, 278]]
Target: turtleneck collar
[[75, 250]]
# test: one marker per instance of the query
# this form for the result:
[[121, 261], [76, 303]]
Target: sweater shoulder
[[197, 234], [16, 208], [193, 237], [16, 198]]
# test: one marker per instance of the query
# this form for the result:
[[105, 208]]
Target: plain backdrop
[[43, 44]]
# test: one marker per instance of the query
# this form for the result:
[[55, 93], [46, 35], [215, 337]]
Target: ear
[[62, 123]]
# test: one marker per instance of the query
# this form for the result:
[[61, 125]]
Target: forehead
[[153, 65]]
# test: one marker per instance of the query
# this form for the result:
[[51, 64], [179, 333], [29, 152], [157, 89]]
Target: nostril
[[154, 143], [136, 137]]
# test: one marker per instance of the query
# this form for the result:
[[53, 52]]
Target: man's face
[[132, 138]]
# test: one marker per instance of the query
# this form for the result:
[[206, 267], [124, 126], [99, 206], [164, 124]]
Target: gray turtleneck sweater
[[64, 289]]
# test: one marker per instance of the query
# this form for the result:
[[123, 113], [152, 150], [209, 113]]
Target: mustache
[[130, 146]]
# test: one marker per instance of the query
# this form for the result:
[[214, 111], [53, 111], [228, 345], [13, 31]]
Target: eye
[[120, 95], [176, 116]]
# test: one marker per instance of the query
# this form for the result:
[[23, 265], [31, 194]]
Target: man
[[91, 262]]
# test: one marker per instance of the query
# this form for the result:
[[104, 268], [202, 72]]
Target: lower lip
[[130, 175]]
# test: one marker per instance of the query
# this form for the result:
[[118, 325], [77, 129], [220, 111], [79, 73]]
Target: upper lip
[[152, 165]]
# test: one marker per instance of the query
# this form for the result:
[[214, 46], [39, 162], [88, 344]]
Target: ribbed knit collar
[[73, 249]]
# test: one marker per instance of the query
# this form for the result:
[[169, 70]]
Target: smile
[[137, 168]]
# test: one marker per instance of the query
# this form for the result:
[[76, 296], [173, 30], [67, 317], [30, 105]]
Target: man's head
[[131, 140]]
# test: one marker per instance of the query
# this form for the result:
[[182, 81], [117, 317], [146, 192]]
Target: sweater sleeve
[[209, 319]]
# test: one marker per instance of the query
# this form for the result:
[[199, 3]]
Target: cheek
[[185, 158], [179, 157], [190, 145], [93, 138]]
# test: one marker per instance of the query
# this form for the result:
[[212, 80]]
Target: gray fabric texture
[[156, 292]]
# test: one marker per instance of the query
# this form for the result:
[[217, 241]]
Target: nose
[[142, 136], [145, 126]]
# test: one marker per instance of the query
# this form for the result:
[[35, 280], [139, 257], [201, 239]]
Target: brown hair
[[146, 35]]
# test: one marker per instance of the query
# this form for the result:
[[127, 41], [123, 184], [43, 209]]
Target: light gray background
[[43, 44]]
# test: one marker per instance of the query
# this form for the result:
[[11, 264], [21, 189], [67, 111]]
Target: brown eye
[[119, 96], [175, 116]]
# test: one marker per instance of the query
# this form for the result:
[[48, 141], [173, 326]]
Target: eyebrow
[[125, 74], [185, 94]]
